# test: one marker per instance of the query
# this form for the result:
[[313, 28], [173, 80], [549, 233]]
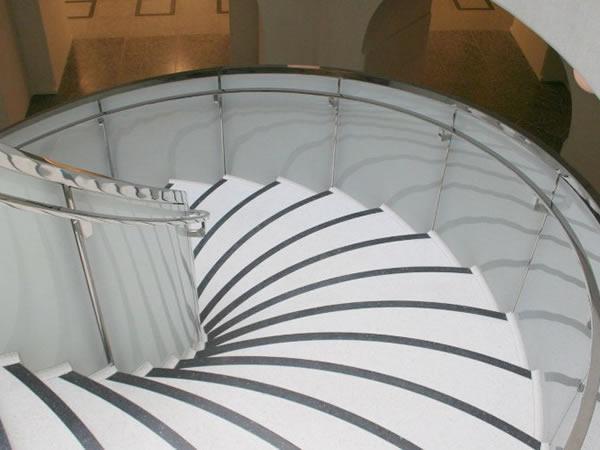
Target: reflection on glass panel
[[554, 318], [434, 109], [174, 139], [81, 146], [383, 156], [51, 122], [280, 81], [271, 135], [46, 313], [505, 142], [559, 440], [144, 281], [160, 91], [583, 222], [592, 439], [489, 218]]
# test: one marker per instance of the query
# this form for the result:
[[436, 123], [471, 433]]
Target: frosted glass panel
[[489, 218], [435, 109], [502, 140], [160, 91], [175, 139], [281, 81], [51, 121], [81, 146], [386, 157], [271, 135], [46, 313], [143, 280], [583, 222], [554, 318]]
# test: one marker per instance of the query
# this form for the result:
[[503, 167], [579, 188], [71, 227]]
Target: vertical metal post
[[89, 279], [537, 238], [218, 99], [335, 104], [445, 137], [102, 125]]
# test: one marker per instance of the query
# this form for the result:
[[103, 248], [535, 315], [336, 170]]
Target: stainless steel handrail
[[192, 216], [583, 189], [89, 279], [584, 415], [45, 169]]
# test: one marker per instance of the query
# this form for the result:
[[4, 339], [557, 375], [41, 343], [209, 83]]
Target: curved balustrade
[[496, 199], [76, 214]]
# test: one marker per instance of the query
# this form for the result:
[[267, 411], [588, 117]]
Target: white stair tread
[[418, 252], [361, 229], [305, 427], [193, 189], [466, 379], [202, 429], [315, 213], [420, 419], [28, 421], [466, 331], [260, 208], [221, 200], [433, 287], [113, 427]]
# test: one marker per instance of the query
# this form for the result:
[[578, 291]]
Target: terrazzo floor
[[484, 67]]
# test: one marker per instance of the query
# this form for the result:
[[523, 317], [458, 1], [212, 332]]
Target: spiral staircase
[[335, 262]]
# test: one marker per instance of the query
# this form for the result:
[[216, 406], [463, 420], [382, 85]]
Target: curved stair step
[[118, 422], [50, 422], [204, 423], [347, 239], [247, 216], [461, 377], [396, 407]]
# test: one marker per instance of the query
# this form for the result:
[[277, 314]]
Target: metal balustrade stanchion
[[335, 104], [102, 124], [89, 279]]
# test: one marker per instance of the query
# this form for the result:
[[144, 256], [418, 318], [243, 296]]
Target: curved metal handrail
[[583, 188], [192, 216], [589, 395], [48, 170]]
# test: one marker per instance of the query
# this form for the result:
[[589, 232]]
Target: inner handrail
[[189, 217], [22, 162]]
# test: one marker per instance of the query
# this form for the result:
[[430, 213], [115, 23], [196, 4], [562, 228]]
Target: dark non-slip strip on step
[[329, 282], [209, 406], [56, 405], [375, 304], [210, 233], [206, 193], [214, 269], [211, 350], [304, 263], [253, 264], [4, 442], [292, 396], [300, 265], [157, 426], [379, 377]]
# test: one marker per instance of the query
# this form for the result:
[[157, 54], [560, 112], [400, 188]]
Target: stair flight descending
[[329, 325]]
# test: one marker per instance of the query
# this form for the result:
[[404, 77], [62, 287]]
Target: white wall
[[14, 95], [243, 20], [44, 41], [57, 34], [571, 27], [582, 147], [328, 33]]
